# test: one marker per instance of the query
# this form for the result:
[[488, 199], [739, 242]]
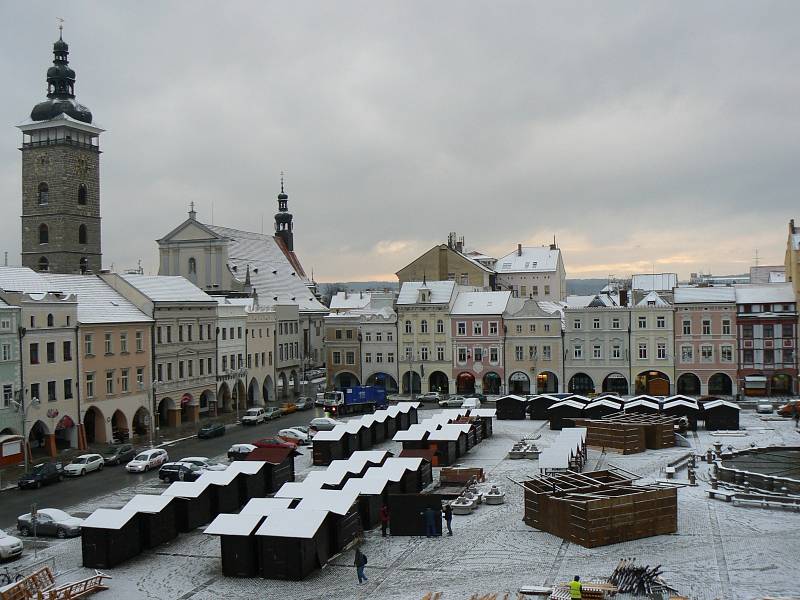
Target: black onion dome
[[283, 196], [60, 90], [283, 217], [50, 109]]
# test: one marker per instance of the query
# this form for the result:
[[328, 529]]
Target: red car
[[274, 442], [788, 410]]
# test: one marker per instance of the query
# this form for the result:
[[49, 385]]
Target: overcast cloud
[[643, 135]]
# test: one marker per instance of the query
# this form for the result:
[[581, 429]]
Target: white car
[[452, 402], [323, 424], [204, 463], [85, 463], [254, 416], [429, 397], [149, 459], [10, 547], [471, 403], [295, 435]]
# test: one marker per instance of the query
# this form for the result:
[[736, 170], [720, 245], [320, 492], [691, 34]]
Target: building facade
[[448, 262], [533, 272], [378, 328], [342, 350], [705, 341], [10, 369], [652, 345], [533, 347], [61, 178], [232, 334]]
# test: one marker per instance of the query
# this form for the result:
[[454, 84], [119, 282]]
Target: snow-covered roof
[[531, 259], [448, 433], [396, 466], [579, 301], [606, 401], [167, 288], [225, 477], [642, 397], [480, 303], [700, 295], [333, 435], [147, 503], [641, 402], [108, 518], [350, 301], [441, 291], [718, 403], [483, 412], [661, 282], [227, 524], [293, 523], [513, 397], [360, 458], [23, 279], [570, 403], [336, 501], [415, 433], [297, 489], [374, 482], [687, 402], [765, 294], [248, 467], [185, 489], [405, 407], [578, 398], [266, 506], [98, 302], [653, 299]]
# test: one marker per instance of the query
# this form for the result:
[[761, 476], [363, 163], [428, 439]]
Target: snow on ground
[[719, 551]]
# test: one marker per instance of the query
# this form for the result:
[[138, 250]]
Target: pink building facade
[[705, 341]]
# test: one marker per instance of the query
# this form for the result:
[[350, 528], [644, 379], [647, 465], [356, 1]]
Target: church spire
[[283, 219]]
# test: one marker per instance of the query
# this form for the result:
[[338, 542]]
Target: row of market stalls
[[562, 410], [447, 436], [306, 523], [113, 536], [363, 433]]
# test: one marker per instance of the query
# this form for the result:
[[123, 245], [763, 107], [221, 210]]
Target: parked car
[[83, 464], [118, 454], [41, 474], [304, 403], [149, 459], [254, 416], [275, 442], [764, 408], [180, 471], [323, 424], [272, 412], [288, 408], [210, 430], [204, 463], [789, 409], [429, 397], [10, 546], [472, 402], [240, 451], [292, 434], [451, 402], [49, 521]]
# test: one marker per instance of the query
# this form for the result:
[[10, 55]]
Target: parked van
[[254, 416]]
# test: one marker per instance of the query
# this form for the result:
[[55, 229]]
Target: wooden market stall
[[682, 407], [238, 545], [225, 491], [539, 405], [110, 537], [193, 504], [511, 407], [252, 478], [279, 465], [721, 415], [328, 446], [564, 413], [156, 516], [292, 543], [407, 513], [343, 520], [642, 405]]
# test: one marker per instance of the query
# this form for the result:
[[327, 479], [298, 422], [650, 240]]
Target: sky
[[644, 135]]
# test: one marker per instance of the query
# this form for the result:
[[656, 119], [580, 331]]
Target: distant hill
[[585, 287]]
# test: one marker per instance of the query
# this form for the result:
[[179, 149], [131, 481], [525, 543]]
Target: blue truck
[[354, 400]]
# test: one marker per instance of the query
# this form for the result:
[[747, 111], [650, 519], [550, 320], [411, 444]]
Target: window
[[546, 353], [595, 323], [408, 327], [494, 355], [368, 357], [140, 377], [706, 353], [44, 234], [642, 322], [189, 332], [51, 352], [532, 352], [208, 332], [66, 350], [478, 353], [192, 266], [687, 354], [423, 326], [747, 357], [492, 327], [68, 389], [576, 324], [706, 327], [465, 279], [461, 328], [661, 351], [34, 354], [661, 322], [769, 331], [5, 324], [169, 334], [409, 353], [518, 328], [462, 355], [440, 353], [351, 358], [597, 351], [82, 237], [238, 332], [43, 193], [8, 395], [224, 333], [90, 385], [769, 356], [643, 351], [5, 352], [546, 327], [337, 358], [224, 363], [109, 344], [123, 343], [747, 332], [169, 371], [440, 326], [616, 351], [51, 391], [82, 194], [123, 382], [423, 353], [577, 351], [139, 341], [519, 352], [180, 369], [158, 334], [44, 265], [615, 323], [368, 337], [109, 382], [726, 353], [379, 336], [349, 334], [50, 320], [180, 333], [35, 391], [451, 277], [535, 290], [160, 371], [477, 328], [390, 336], [379, 357], [547, 290]]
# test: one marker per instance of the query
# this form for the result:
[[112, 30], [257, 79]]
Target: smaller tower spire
[[283, 218], [192, 212]]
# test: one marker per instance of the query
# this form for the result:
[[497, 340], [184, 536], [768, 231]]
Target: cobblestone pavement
[[719, 551]]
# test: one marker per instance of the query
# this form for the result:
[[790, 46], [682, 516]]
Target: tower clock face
[[82, 167]]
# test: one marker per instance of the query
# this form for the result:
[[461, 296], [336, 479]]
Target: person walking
[[448, 517], [430, 522], [360, 562], [384, 515], [575, 588]]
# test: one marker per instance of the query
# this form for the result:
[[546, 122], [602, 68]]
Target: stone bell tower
[[61, 178]]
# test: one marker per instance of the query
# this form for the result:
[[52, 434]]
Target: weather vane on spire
[[60, 27], [281, 182]]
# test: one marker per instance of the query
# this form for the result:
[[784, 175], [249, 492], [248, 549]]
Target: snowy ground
[[719, 551]]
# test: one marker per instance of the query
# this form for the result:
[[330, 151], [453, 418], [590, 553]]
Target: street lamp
[[20, 407], [153, 415]]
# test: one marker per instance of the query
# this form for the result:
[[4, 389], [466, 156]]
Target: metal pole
[[153, 415]]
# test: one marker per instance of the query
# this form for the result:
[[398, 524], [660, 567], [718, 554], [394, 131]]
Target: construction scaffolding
[[600, 507], [630, 432]]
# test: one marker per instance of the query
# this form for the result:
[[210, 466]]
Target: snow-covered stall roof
[[483, 412], [147, 503], [292, 523], [374, 482], [336, 501], [108, 518], [334, 435], [185, 489], [247, 467], [241, 524], [297, 489], [225, 477], [570, 403], [606, 401], [718, 403], [415, 433], [266, 506], [448, 433]]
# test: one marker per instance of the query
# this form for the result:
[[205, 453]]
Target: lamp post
[[242, 373], [21, 407], [153, 415]]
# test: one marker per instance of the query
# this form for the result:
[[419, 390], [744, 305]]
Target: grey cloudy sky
[[644, 135]]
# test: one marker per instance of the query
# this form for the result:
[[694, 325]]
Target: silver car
[[49, 522]]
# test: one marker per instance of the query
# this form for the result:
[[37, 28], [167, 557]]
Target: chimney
[[623, 297], [519, 249]]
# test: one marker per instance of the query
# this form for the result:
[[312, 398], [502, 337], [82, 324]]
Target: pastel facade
[[342, 351], [447, 262], [533, 347], [10, 369], [652, 345], [231, 354], [705, 341], [379, 355], [533, 272]]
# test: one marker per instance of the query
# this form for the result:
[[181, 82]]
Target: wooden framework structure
[[600, 507], [659, 430]]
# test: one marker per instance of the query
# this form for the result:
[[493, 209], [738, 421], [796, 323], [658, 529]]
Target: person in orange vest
[[575, 588]]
